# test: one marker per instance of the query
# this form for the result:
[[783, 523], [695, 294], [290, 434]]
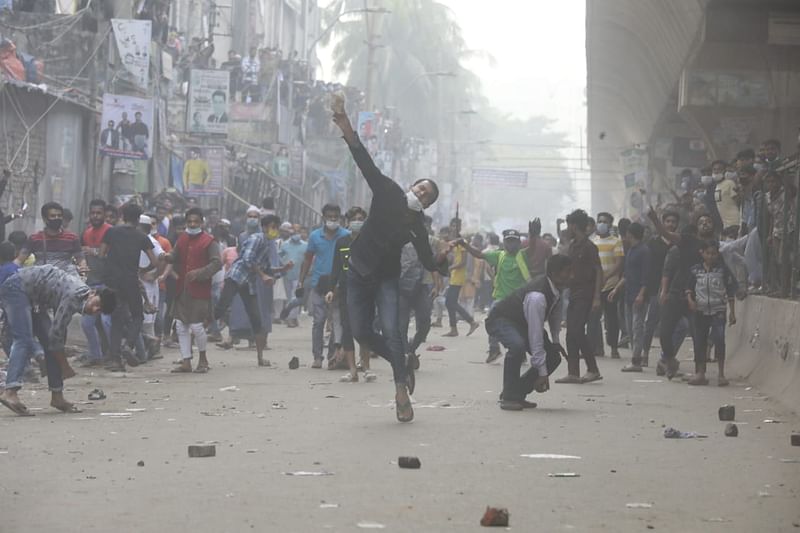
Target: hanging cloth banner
[[133, 44]]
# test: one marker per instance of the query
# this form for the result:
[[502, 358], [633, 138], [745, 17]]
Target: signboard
[[198, 170], [207, 103], [133, 44], [367, 125], [497, 177], [127, 127]]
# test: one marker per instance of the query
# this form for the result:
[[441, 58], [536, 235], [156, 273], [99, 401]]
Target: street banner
[[201, 172], [133, 44], [127, 127], [498, 177], [207, 102]]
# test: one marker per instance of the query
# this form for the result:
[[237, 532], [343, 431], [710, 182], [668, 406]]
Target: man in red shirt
[[91, 240], [196, 258], [54, 245]]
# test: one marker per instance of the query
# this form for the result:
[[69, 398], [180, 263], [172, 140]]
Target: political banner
[[497, 177], [127, 126], [133, 44], [207, 102], [202, 172]]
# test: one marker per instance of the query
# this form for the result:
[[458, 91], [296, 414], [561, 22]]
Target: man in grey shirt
[[44, 288]]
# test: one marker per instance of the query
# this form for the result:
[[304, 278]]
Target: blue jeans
[[651, 323], [419, 301], [89, 325], [635, 320], [22, 325], [365, 295], [494, 344]]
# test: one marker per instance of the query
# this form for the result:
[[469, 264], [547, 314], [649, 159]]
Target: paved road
[[79, 472]]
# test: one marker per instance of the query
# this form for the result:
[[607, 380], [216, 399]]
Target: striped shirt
[[610, 250], [62, 251]]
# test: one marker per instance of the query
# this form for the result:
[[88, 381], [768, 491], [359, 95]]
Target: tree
[[418, 38]]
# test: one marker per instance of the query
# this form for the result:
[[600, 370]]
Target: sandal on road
[[202, 369], [181, 370], [18, 408], [66, 407], [570, 379]]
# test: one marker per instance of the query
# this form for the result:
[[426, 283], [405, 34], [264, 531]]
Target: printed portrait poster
[[207, 110], [126, 130], [203, 172], [367, 126], [133, 43]]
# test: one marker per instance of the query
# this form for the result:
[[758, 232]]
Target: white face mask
[[731, 175], [194, 231], [331, 225], [413, 202], [718, 176], [356, 225], [706, 180]]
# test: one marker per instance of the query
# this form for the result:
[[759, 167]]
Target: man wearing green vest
[[513, 269]]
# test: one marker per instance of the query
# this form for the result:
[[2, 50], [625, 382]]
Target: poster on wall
[[127, 127], [133, 44], [198, 170], [207, 102]]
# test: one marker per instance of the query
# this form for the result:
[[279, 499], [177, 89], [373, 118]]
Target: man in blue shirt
[[319, 253], [634, 281]]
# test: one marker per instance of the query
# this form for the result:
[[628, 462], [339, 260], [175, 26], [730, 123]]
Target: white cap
[[144, 219], [225, 222], [286, 225], [253, 209]]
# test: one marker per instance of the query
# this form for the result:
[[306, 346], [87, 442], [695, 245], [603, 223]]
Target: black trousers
[[674, 309], [578, 344], [231, 289]]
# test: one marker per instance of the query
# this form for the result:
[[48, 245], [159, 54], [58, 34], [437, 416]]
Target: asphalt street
[[81, 473]]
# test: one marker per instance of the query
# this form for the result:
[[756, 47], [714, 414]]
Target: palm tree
[[418, 38]]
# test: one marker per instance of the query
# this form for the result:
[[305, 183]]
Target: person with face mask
[[373, 278], [281, 293], [337, 295], [256, 264], [612, 254], [518, 322], [318, 261], [512, 268], [54, 245], [195, 259]]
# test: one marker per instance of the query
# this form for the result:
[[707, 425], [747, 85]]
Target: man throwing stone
[[373, 277]]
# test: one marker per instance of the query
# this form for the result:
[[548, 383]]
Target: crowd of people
[[146, 279]]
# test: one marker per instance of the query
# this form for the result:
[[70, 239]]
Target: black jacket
[[390, 225]]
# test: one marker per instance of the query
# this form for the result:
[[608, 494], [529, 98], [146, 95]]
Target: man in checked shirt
[[257, 263]]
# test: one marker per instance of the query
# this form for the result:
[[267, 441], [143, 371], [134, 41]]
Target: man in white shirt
[[518, 323]]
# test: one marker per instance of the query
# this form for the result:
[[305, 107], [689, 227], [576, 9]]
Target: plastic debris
[[639, 505], [495, 517], [97, 394], [727, 413], [764, 494], [329, 506], [370, 525], [232, 388], [409, 462], [548, 456], [202, 450], [294, 363], [564, 474], [672, 433], [152, 381], [278, 405], [303, 473], [772, 421], [731, 430]]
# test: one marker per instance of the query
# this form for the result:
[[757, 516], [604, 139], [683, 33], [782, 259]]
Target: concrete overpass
[[674, 84]]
